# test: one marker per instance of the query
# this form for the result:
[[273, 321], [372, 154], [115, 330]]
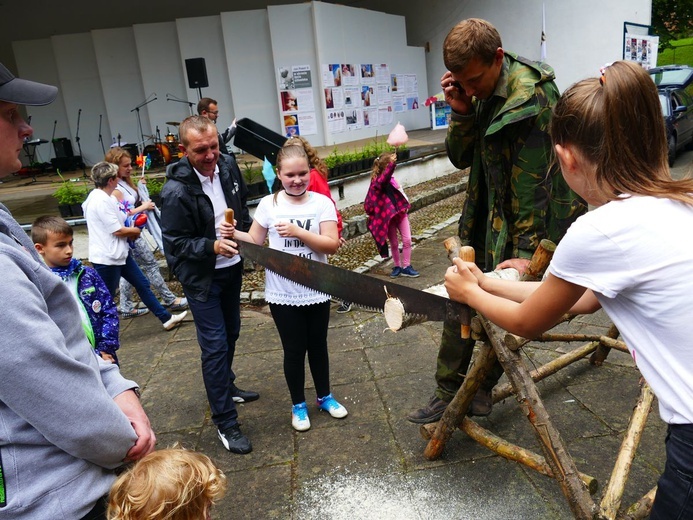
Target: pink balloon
[[398, 136]]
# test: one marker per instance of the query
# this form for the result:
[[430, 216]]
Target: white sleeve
[[326, 211], [262, 213]]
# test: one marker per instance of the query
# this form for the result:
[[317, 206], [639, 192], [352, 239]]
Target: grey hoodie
[[61, 433]]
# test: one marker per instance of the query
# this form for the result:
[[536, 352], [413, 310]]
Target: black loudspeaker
[[197, 72], [63, 147]]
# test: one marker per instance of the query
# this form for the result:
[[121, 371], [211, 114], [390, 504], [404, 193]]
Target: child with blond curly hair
[[170, 484]]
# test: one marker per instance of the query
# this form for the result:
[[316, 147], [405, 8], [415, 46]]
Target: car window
[[665, 104]]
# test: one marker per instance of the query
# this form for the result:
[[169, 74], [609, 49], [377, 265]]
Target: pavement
[[370, 465]]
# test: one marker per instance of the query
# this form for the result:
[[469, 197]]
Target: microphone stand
[[171, 97], [55, 123], [137, 111], [100, 136], [79, 146]]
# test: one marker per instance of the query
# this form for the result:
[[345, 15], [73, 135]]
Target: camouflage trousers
[[454, 357]]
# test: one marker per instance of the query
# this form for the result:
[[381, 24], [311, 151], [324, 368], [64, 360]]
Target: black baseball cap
[[24, 92]]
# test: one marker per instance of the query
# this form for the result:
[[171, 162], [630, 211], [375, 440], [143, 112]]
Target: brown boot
[[481, 404], [430, 413]]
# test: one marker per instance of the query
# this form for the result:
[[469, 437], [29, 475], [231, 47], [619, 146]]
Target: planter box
[[403, 155], [76, 210], [65, 210]]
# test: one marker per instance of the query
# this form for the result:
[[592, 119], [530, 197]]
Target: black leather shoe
[[482, 403], [243, 396], [234, 441], [429, 413]]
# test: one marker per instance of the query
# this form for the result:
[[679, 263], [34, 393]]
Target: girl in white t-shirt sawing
[[630, 255], [304, 223]]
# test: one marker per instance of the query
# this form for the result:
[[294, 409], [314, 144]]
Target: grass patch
[[681, 54]]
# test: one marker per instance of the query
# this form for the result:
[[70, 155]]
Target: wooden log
[[611, 500], [456, 410], [477, 326], [641, 509], [506, 449], [541, 258], [559, 460], [452, 246], [602, 352], [614, 344], [516, 453], [501, 392]]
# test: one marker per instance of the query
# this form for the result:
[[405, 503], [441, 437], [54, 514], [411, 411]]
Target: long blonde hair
[[115, 156], [616, 124]]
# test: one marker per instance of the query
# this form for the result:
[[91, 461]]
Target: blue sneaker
[[329, 404], [396, 271], [410, 272], [299, 417]]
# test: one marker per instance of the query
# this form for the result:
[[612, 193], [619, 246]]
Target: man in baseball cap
[[69, 418]]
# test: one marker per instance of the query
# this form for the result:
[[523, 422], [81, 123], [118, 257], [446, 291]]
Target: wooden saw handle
[[466, 254], [228, 215]]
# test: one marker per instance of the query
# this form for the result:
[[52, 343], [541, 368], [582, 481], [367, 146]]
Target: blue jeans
[[218, 324], [131, 272], [674, 498]]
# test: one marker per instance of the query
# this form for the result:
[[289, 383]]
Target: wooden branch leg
[[454, 413], [501, 392], [516, 453], [557, 457], [641, 509], [613, 493], [603, 351]]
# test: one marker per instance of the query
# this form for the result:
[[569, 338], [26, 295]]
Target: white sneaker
[[330, 405], [299, 417], [175, 320]]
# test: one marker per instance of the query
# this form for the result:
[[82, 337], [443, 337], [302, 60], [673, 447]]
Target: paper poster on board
[[352, 97], [336, 122], [385, 115], [383, 95], [370, 117], [332, 74], [368, 96], [349, 74], [641, 49], [367, 74], [289, 100], [382, 73], [302, 76]]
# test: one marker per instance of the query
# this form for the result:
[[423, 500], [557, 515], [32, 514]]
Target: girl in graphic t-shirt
[[304, 223], [630, 255]]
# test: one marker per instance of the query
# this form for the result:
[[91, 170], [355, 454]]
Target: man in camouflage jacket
[[501, 106]]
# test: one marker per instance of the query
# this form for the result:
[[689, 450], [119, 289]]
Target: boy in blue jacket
[[53, 239]]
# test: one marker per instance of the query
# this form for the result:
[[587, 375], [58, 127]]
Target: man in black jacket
[[199, 189]]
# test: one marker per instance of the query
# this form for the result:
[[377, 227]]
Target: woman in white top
[[108, 242], [304, 223], [127, 192]]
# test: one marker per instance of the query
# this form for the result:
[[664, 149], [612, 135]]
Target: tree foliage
[[671, 20]]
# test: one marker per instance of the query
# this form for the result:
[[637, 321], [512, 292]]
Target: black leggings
[[303, 329]]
